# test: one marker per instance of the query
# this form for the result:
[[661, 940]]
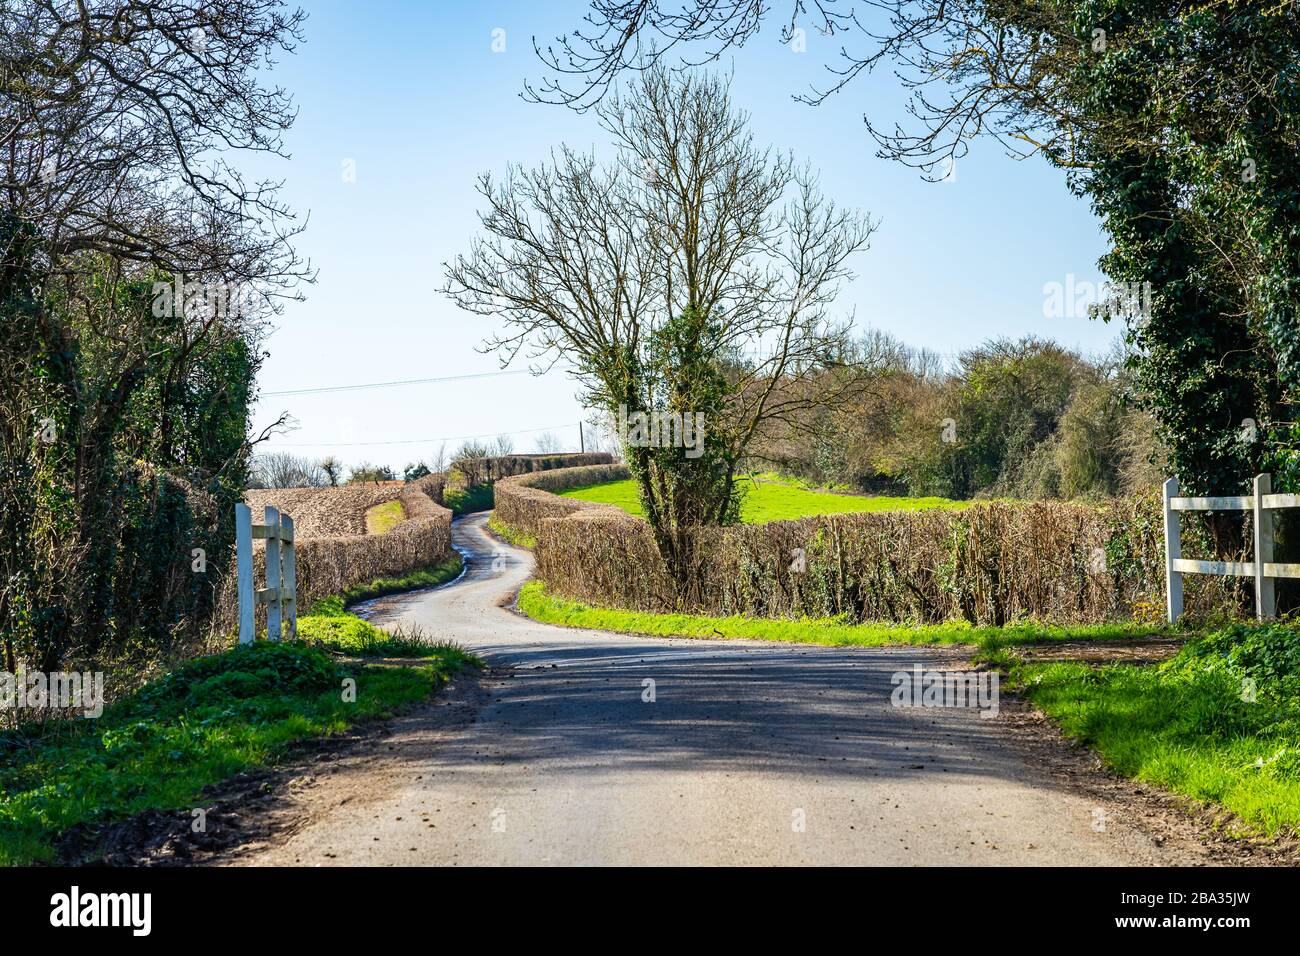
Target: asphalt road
[[750, 753]]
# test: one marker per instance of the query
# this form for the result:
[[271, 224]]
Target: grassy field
[[380, 519], [1220, 723], [211, 718], [551, 609], [771, 500]]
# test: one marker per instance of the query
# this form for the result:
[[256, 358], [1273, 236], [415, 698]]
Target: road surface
[[749, 753]]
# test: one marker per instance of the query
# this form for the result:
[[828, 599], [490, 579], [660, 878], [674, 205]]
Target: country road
[[750, 753]]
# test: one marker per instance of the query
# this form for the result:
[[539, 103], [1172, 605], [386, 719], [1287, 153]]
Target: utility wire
[[325, 389], [417, 441]]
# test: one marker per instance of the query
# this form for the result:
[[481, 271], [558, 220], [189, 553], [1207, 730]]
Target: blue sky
[[414, 95]]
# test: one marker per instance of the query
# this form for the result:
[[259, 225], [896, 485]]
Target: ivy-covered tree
[[688, 284]]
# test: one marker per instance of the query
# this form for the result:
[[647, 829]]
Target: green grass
[[552, 609], [331, 628], [463, 501], [770, 501], [200, 724], [212, 718], [428, 577], [381, 519], [516, 536], [1184, 725]]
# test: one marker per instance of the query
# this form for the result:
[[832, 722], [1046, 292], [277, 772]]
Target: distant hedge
[[478, 471], [989, 564], [525, 501], [330, 565]]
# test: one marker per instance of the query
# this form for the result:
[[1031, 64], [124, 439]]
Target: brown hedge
[[477, 471], [525, 501], [990, 564]]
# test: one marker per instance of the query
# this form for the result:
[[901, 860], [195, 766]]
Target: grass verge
[[214, 717], [535, 602], [200, 724], [516, 536], [770, 500], [429, 577], [1219, 723], [331, 628]]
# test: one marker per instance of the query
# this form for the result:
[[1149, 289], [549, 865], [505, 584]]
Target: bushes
[[990, 564], [474, 470], [523, 502]]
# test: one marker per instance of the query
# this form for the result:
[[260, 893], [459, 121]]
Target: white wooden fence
[[280, 593], [1263, 569]]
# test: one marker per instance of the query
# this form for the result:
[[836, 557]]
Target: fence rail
[[1262, 503], [280, 594]]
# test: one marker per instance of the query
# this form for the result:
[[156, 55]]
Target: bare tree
[[548, 443], [279, 469], [333, 470], [504, 445], [695, 273], [438, 461], [118, 121]]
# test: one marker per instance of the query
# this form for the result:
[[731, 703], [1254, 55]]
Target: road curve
[[750, 753]]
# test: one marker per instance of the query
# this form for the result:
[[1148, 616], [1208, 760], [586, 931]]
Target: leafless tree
[[548, 443], [279, 469], [693, 223], [118, 122], [438, 461], [333, 470], [504, 445]]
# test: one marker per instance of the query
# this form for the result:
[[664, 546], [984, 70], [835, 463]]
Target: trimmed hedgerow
[[990, 564]]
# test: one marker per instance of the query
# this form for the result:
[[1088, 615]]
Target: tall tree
[[689, 281], [147, 264]]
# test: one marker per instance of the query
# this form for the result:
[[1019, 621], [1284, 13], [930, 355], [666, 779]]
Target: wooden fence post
[[1173, 551], [1265, 599], [244, 572], [273, 573], [289, 580]]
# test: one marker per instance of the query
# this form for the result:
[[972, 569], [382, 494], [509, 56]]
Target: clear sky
[[413, 94]]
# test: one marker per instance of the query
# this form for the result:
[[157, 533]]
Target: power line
[[324, 389], [419, 441]]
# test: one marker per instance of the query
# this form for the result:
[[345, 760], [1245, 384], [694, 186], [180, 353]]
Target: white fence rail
[[280, 593], [1263, 569]]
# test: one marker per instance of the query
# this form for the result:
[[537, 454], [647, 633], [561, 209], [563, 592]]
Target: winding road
[[749, 753]]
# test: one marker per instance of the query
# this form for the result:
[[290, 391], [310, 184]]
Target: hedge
[[989, 564]]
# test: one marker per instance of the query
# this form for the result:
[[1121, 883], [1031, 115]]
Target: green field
[[771, 500]]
